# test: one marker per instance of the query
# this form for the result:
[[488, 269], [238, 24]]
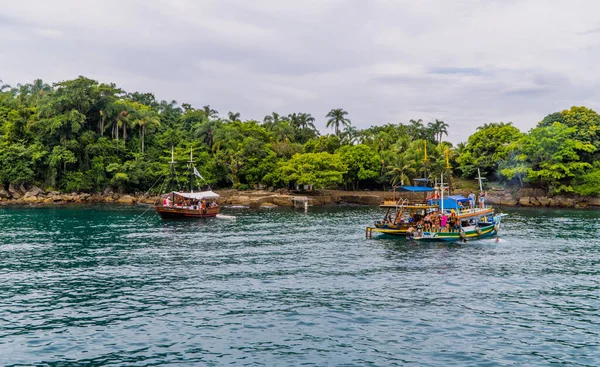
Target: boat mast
[[442, 194], [426, 180], [479, 178], [173, 174], [191, 170], [448, 167]]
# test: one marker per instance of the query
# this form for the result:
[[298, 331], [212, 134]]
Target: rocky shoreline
[[20, 195]]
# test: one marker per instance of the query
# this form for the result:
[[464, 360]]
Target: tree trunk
[[102, 126], [142, 134], [124, 132]]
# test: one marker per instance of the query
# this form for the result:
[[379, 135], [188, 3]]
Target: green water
[[91, 286]]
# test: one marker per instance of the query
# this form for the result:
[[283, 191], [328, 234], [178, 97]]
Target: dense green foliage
[[81, 135]]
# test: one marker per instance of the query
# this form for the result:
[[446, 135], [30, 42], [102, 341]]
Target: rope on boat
[[155, 182], [143, 196], [138, 217]]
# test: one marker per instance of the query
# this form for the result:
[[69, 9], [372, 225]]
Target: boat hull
[[487, 230], [166, 212]]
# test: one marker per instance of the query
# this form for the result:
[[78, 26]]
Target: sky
[[464, 62]]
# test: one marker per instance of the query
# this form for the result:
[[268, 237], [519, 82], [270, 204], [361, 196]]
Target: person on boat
[[410, 232], [443, 221], [167, 201], [482, 200], [472, 200], [427, 223], [420, 228], [460, 206], [435, 221], [452, 225]]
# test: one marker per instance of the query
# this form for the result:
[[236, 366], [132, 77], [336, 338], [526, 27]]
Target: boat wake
[[227, 217]]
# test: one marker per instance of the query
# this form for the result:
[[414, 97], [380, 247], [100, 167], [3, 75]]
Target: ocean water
[[113, 286]]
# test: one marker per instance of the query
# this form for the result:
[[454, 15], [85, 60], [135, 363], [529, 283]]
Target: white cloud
[[467, 63]]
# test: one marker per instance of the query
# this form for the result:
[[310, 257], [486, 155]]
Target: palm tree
[[233, 116], [4, 87], [349, 135], [336, 118], [438, 129], [305, 120], [206, 132], [401, 170], [460, 148], [433, 130], [145, 118], [120, 122], [273, 119], [415, 129], [283, 131], [209, 112]]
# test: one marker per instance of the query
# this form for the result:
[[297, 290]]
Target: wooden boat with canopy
[[187, 205]]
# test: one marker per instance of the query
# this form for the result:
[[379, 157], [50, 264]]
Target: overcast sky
[[465, 62]]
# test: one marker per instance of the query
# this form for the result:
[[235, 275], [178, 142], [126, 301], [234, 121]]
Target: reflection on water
[[93, 285]]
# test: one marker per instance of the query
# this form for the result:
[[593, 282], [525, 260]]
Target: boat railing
[[474, 210], [398, 203]]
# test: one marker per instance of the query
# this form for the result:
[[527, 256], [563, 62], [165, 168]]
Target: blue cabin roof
[[450, 202], [416, 188]]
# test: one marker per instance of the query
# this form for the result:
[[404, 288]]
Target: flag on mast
[[198, 174]]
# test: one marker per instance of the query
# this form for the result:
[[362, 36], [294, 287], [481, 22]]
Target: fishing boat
[[438, 218], [187, 205]]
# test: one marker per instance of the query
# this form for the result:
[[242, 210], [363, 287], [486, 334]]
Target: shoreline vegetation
[[83, 141], [284, 198]]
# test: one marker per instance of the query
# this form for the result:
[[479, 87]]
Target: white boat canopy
[[195, 195]]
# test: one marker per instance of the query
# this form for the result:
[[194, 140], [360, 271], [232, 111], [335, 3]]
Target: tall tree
[[210, 113], [233, 116], [336, 119], [145, 117]]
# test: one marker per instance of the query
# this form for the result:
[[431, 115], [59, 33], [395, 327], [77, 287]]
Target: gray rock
[[4, 194], [15, 192], [524, 201]]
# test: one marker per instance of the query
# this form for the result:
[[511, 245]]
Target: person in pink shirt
[[443, 220]]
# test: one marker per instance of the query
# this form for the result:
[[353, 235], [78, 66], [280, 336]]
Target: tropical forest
[[81, 135]]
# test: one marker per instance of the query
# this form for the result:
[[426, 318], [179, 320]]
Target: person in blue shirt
[[472, 199]]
